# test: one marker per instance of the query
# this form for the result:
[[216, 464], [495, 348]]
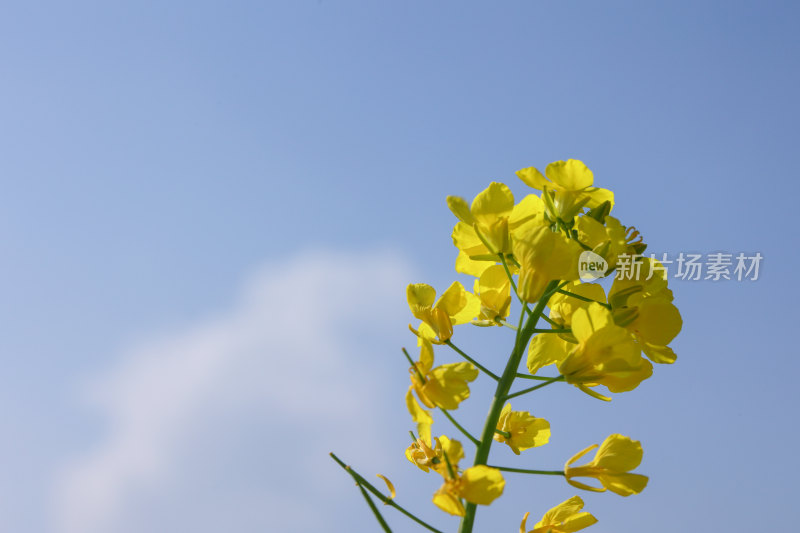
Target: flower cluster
[[606, 333]]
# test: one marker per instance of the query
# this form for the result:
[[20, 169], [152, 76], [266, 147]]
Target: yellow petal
[[577, 522], [493, 202], [420, 296], [419, 415], [561, 512], [659, 354], [389, 485], [529, 211], [460, 209], [425, 356], [460, 305], [448, 502], [453, 449], [533, 178], [624, 484], [470, 267], [482, 484], [658, 322], [545, 349], [619, 453], [588, 320], [524, 521], [572, 174]]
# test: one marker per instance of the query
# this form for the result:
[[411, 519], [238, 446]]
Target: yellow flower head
[[427, 458], [526, 431], [572, 182], [566, 517], [644, 307], [494, 290], [443, 386], [479, 484], [485, 228], [455, 306], [615, 458], [609, 239], [544, 256], [563, 306], [606, 354]]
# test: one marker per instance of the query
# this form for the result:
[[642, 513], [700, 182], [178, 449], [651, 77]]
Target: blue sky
[[199, 197]]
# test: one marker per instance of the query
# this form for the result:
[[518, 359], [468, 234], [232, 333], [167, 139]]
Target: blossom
[[565, 517], [493, 288], [455, 306], [478, 484], [609, 238], [615, 458], [427, 457], [605, 353], [444, 386], [644, 307], [572, 184], [525, 430], [485, 228], [544, 256], [563, 306]]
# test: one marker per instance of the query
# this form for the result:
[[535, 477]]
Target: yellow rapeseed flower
[[493, 288], [615, 458], [526, 431], [478, 484], [455, 306], [544, 256], [606, 354], [427, 458], [443, 386], [485, 228], [566, 517], [572, 182]]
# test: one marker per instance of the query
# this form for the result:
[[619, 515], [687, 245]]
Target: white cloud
[[219, 426]]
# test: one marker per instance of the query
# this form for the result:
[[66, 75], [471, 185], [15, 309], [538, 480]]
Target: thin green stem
[[460, 427], [375, 510], [473, 361], [414, 366], [385, 499], [523, 336], [553, 330], [502, 322], [538, 378], [531, 389], [506, 434], [582, 298], [527, 471], [550, 321]]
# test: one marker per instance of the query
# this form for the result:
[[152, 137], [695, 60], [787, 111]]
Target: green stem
[[524, 334], [385, 499], [551, 321], [375, 510], [553, 330], [473, 361], [504, 323], [527, 471], [506, 434], [531, 389], [538, 378], [460, 427], [414, 366], [582, 298]]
